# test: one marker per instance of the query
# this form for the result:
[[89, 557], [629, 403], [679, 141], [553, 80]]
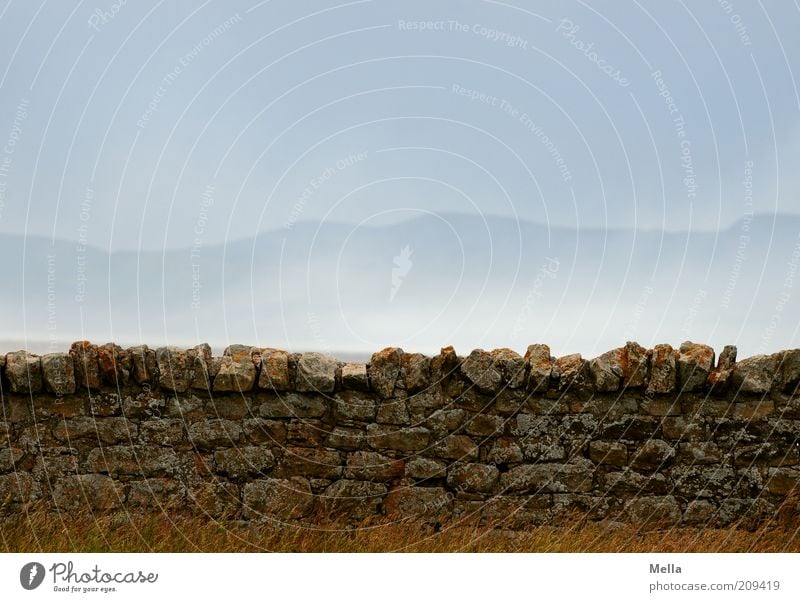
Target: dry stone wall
[[664, 435]]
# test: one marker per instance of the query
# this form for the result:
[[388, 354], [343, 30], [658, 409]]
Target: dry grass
[[39, 531]]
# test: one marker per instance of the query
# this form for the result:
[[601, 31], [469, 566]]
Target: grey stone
[[653, 510], [87, 369], [215, 432], [24, 372], [278, 499], [292, 405], [512, 367], [425, 468], [540, 367], [58, 372], [472, 478], [352, 500], [355, 405], [479, 368], [695, 362], [274, 373], [354, 377], [235, 376], [174, 368], [316, 372], [663, 370], [88, 492], [384, 370], [416, 370], [607, 370], [241, 462], [405, 439], [372, 466], [756, 374]]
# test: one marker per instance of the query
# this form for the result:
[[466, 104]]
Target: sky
[[151, 128]]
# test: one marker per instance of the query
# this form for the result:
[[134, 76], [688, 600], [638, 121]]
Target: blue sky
[[147, 126]]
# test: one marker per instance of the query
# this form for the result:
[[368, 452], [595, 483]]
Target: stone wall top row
[[661, 370]]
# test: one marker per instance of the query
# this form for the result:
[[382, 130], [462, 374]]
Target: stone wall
[[667, 435]]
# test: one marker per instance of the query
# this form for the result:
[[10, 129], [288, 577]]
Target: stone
[[274, 373], [355, 405], [98, 492], [789, 377], [472, 478], [634, 367], [607, 371], [483, 425], [572, 371], [235, 376], [649, 510], [242, 353], [629, 483], [549, 478], [704, 481], [706, 452], [111, 430], [174, 369], [241, 462], [540, 367], [87, 368], [144, 367], [654, 454], [416, 370], [663, 370], [16, 489], [278, 499], [512, 367], [445, 422], [384, 370], [316, 372], [115, 364], [321, 463], [24, 372], [727, 359], [372, 466], [214, 432], [205, 367], [695, 362], [292, 405], [354, 377], [345, 438], [58, 373], [783, 481], [125, 460], [405, 439], [479, 368], [612, 454], [352, 500], [425, 468], [699, 513], [755, 375], [455, 447], [427, 503], [167, 432], [393, 411], [157, 493], [443, 365], [505, 451], [214, 500]]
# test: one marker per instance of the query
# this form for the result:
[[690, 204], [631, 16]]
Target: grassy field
[[48, 532]]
